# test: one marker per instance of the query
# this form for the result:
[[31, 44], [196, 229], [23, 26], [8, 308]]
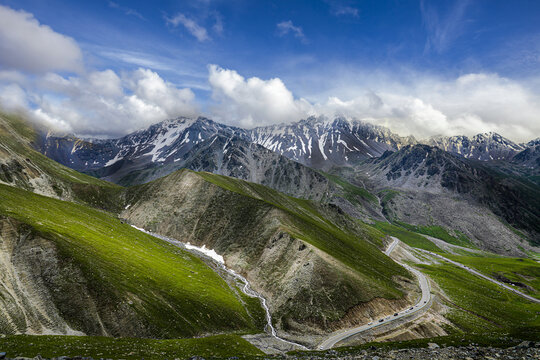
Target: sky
[[106, 68]]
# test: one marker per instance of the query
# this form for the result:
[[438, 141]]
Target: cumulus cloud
[[467, 105], [286, 27], [251, 102], [27, 45], [191, 26], [102, 103]]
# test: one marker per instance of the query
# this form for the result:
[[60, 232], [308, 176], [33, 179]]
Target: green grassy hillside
[[21, 166], [523, 274], [479, 306], [140, 285], [408, 237], [354, 245]]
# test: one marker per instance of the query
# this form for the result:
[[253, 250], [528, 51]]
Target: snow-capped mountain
[[485, 147], [529, 157], [321, 142], [316, 142], [532, 143], [161, 143], [239, 158]]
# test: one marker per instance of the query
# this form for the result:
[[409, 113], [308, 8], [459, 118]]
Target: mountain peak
[[486, 146]]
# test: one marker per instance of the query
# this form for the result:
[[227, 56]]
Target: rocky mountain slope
[[161, 143], [321, 143], [432, 187], [485, 147], [530, 157], [236, 157], [318, 268]]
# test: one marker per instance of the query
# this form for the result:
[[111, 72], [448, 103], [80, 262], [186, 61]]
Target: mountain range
[[315, 142], [306, 213]]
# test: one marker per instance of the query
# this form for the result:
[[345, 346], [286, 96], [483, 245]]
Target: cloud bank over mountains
[[43, 72]]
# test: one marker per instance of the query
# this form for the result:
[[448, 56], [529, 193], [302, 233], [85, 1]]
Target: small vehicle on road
[[370, 323], [381, 320], [396, 314]]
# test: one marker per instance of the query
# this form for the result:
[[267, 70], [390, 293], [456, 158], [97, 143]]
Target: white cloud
[[252, 102], [426, 106], [286, 27], [13, 97], [105, 104], [467, 105], [26, 45], [194, 29]]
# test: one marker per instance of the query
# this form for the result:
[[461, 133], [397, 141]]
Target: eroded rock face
[[15, 170], [30, 274], [44, 292]]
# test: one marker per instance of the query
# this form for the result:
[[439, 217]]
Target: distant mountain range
[[485, 147], [316, 142]]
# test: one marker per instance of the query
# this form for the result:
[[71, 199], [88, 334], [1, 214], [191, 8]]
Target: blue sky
[[318, 49]]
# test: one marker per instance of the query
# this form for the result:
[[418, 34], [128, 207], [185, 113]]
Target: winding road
[[472, 271], [424, 302]]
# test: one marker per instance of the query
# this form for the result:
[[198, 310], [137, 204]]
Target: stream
[[220, 261]]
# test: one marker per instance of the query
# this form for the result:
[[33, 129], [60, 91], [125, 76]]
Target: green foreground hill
[[68, 265]]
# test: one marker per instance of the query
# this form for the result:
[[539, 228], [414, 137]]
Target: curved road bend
[[472, 271], [421, 304]]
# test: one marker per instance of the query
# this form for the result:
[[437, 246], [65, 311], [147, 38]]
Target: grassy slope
[[351, 192], [307, 223], [520, 270], [125, 348], [17, 134], [180, 295], [408, 237], [479, 305], [440, 233]]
